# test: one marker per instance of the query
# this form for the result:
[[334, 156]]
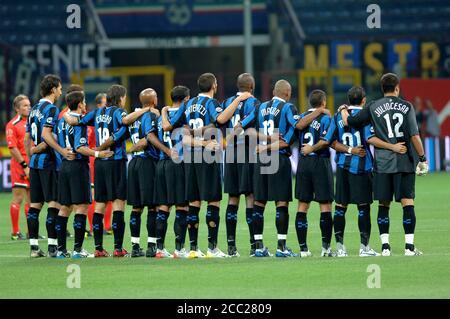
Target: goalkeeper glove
[[422, 166]]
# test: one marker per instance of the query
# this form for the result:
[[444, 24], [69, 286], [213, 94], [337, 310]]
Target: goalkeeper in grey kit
[[394, 122]]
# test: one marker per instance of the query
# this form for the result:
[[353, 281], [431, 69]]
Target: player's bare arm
[[47, 135], [106, 144], [211, 145], [139, 146], [274, 146], [339, 147], [15, 153], [41, 147], [228, 113], [132, 117], [399, 148], [154, 140], [165, 119], [252, 132], [308, 149], [27, 144], [304, 122], [86, 151], [359, 120], [72, 120]]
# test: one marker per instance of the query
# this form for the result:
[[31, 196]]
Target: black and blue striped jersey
[[43, 114], [72, 137], [244, 109], [170, 139], [351, 137], [144, 125], [312, 133], [275, 115], [198, 112], [107, 122]]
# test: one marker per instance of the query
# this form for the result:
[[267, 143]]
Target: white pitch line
[[362, 258]]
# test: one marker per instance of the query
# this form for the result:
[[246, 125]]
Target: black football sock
[[249, 219], [383, 226], [364, 223], [33, 226], [192, 222], [79, 227], [326, 228], [409, 225], [61, 232], [339, 223], [135, 228], [151, 228], [301, 226], [118, 226], [232, 211], [213, 221], [97, 227], [180, 227], [282, 224], [258, 226], [52, 214], [161, 228]]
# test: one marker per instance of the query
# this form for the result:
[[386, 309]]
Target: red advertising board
[[436, 90]]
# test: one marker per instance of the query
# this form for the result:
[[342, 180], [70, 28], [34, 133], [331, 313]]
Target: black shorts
[[353, 188], [314, 180], [141, 181], [402, 185], [170, 183], [203, 181], [276, 186], [43, 185], [110, 180], [238, 177], [74, 183]]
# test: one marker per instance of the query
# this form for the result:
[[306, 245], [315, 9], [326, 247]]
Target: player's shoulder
[[289, 105], [49, 106], [229, 100], [212, 102], [14, 121], [406, 102]]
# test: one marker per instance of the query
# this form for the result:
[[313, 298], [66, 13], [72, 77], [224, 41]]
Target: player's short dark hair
[[74, 88], [205, 82], [316, 98], [73, 99], [245, 82], [49, 82], [114, 93], [355, 95], [389, 82], [179, 93], [99, 97]]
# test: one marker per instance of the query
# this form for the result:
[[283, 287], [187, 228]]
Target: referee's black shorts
[[203, 181], [110, 180], [314, 179], [399, 185], [74, 183], [170, 183], [43, 185], [353, 188], [238, 177], [141, 181], [276, 186]]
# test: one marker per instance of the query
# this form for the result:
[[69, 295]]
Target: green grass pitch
[[427, 276]]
